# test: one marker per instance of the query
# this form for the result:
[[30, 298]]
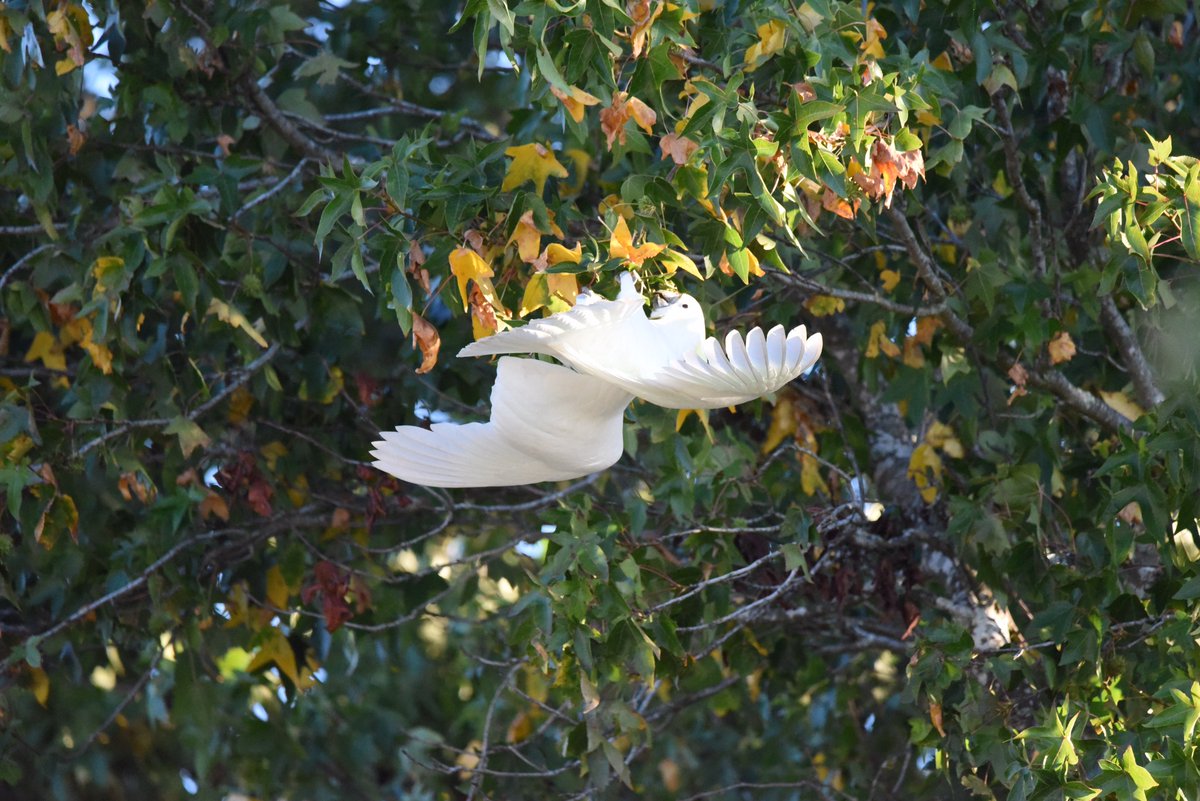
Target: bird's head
[[681, 315]]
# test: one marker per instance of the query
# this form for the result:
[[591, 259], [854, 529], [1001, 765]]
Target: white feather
[[551, 423]]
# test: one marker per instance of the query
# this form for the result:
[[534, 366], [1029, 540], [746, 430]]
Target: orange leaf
[[483, 315], [643, 18], [621, 246], [426, 339], [624, 108], [842, 208], [214, 505], [677, 148], [1061, 348], [574, 101]]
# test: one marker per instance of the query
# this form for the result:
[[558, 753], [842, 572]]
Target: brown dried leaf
[[426, 339], [1061, 348], [677, 148]]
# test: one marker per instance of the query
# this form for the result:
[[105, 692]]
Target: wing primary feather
[[812, 350], [756, 349], [777, 352], [735, 347]]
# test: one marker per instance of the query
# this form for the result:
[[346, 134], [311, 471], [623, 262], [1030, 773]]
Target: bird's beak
[[661, 301]]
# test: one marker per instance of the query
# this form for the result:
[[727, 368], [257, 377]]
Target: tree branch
[[1049, 380], [245, 375], [283, 126], [1012, 167], [1144, 385]]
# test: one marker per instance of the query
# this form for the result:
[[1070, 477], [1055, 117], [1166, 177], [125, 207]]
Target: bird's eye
[[686, 306]]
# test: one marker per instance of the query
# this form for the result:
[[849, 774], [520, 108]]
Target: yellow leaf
[[553, 292], [333, 387], [925, 470], [753, 268], [621, 246], [575, 101], [808, 16], [1000, 185], [240, 404], [674, 260], [528, 238], [824, 305], [532, 162], [890, 279], [871, 43], [943, 63], [557, 254], [614, 204], [63, 66], [878, 342], [1061, 348], [580, 162], [108, 272], [231, 316], [1123, 404], [521, 726], [101, 355], [783, 423], [772, 36], [811, 480], [48, 349], [271, 453], [6, 31], [39, 685], [277, 651], [701, 415], [278, 591], [941, 436], [913, 355], [643, 17], [467, 265], [643, 115], [935, 717], [237, 606]]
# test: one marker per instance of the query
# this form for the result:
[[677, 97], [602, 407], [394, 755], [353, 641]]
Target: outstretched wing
[[743, 370], [548, 423], [602, 338]]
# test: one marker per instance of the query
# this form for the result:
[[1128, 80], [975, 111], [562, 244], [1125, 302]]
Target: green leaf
[[191, 436], [1189, 590], [326, 66], [1190, 219]]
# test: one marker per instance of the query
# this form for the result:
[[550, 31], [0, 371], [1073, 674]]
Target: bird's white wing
[[600, 337], [744, 369], [548, 423]]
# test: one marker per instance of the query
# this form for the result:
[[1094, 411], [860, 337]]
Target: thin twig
[[21, 262], [161, 422], [477, 777], [274, 190], [142, 681], [283, 126]]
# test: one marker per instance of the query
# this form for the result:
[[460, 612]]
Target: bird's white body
[[552, 423]]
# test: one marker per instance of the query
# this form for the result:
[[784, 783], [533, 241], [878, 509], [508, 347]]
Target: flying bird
[[553, 422]]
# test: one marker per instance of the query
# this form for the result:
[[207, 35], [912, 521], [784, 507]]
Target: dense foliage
[[959, 560]]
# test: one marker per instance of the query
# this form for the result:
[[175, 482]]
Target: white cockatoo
[[553, 423]]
